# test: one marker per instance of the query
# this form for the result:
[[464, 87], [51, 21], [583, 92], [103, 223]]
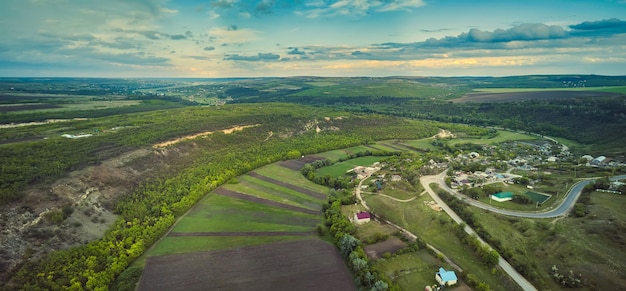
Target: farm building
[[396, 178], [597, 161], [502, 196], [362, 217], [445, 278]]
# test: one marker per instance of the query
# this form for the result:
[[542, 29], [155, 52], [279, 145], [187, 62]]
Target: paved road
[[517, 277], [561, 210]]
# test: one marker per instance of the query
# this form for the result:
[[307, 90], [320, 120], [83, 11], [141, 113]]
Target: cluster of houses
[[489, 175]]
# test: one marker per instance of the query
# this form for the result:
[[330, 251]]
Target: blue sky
[[245, 38]]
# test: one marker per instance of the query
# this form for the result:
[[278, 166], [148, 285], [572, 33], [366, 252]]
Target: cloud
[[209, 48], [535, 31], [295, 51], [264, 7], [601, 28], [356, 7], [188, 33], [178, 37], [224, 3], [232, 27], [612, 23], [258, 58], [229, 35]]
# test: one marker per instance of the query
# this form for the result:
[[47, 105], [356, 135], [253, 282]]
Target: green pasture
[[177, 245], [218, 213], [433, 227], [411, 270], [340, 169], [301, 199], [83, 105], [502, 136], [424, 144], [393, 88], [537, 197], [321, 84], [292, 177], [616, 89], [343, 153]]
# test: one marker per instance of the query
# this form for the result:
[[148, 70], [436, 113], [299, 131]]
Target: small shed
[[446, 278]]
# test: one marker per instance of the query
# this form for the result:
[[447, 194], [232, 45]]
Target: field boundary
[[233, 194], [243, 233], [308, 192]]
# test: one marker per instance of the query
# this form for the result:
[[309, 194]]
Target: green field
[[286, 175], [395, 88], [251, 187], [285, 194], [413, 270], [340, 169], [218, 213], [502, 136], [421, 144], [178, 245], [431, 225], [590, 246], [537, 197], [616, 89]]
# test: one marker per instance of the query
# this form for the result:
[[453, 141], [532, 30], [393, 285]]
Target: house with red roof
[[362, 217]]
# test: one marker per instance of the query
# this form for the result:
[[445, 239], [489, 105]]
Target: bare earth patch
[[296, 165], [309, 264], [377, 250], [188, 137]]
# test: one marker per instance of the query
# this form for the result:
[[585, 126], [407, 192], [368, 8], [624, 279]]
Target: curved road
[[517, 277], [563, 209]]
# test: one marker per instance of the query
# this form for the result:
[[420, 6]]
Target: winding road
[[562, 209]]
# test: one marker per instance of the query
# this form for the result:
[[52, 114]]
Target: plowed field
[[309, 264]]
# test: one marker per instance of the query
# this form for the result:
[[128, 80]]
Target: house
[[396, 178], [445, 278], [362, 217]]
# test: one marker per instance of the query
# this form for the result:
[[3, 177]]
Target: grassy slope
[[590, 246], [341, 168], [421, 220]]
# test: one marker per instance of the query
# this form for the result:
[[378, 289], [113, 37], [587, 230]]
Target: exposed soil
[[288, 186], [298, 164], [243, 233], [377, 250], [188, 137], [225, 192], [522, 96], [12, 108], [309, 264]]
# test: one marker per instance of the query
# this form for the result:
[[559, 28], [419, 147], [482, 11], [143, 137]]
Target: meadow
[[341, 168], [433, 227]]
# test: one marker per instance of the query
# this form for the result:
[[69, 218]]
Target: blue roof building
[[445, 278]]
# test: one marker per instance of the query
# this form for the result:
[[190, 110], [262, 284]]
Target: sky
[[274, 38]]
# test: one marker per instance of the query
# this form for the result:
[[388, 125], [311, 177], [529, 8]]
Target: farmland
[[257, 218], [310, 264]]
